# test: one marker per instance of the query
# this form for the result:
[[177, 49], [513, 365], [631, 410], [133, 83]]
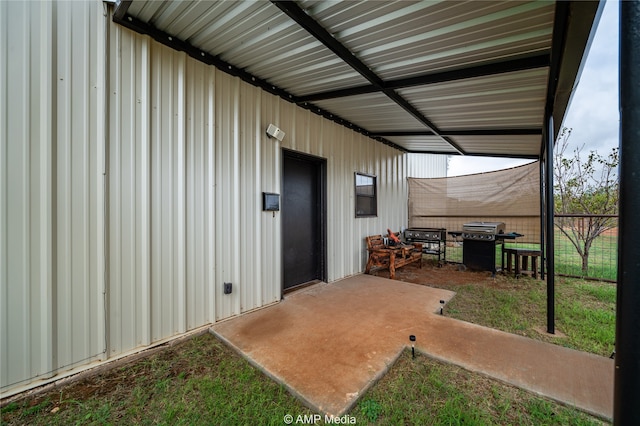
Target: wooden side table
[[521, 257]]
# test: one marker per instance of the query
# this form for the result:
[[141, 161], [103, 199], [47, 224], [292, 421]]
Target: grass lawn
[[585, 310], [428, 392], [201, 381]]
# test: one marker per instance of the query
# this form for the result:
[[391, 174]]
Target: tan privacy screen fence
[[511, 196]]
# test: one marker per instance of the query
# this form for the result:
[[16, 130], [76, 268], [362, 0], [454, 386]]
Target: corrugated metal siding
[[161, 193], [427, 165], [190, 107], [200, 193], [52, 155], [221, 207]]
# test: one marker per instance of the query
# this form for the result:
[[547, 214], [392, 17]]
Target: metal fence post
[[626, 410], [542, 218]]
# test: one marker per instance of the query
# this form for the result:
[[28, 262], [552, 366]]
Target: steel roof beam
[[512, 65], [479, 154], [560, 26], [466, 132], [121, 9]]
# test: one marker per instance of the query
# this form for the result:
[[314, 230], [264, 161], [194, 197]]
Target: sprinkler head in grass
[[441, 307], [412, 338]]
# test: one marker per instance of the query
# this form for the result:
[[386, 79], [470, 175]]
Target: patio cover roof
[[443, 77]]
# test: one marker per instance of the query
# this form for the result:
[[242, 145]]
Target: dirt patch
[[543, 331], [449, 275]]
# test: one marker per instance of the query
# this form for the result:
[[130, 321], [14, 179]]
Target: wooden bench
[[521, 257], [391, 257]]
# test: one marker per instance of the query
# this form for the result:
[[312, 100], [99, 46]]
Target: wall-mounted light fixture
[[274, 132]]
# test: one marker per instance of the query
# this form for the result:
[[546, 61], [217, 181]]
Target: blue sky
[[593, 112]]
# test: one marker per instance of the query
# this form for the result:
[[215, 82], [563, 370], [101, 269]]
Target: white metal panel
[[79, 196], [168, 256], [373, 111], [268, 241], [227, 159], [161, 192], [421, 143], [523, 145], [200, 257], [129, 288], [52, 158], [427, 165]]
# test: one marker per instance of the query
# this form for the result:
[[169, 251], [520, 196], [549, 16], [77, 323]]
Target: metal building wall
[[427, 165], [52, 188], [188, 162], [162, 195], [132, 178]]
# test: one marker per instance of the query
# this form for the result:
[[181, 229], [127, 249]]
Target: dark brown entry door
[[302, 219]]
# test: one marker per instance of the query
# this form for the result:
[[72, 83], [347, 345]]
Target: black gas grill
[[480, 240], [434, 241]]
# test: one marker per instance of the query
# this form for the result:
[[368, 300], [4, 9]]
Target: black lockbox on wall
[[270, 202]]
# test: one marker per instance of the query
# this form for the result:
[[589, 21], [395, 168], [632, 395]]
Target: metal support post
[[626, 410], [550, 229], [542, 216]]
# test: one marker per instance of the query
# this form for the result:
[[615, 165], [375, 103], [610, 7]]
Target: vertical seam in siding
[[145, 191], [211, 191], [46, 185], [181, 194], [235, 191]]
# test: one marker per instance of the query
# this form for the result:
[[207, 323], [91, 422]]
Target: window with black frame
[[366, 195]]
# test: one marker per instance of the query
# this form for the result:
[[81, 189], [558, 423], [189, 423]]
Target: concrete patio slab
[[330, 342]]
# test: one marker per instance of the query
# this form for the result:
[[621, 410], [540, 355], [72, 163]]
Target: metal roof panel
[[373, 111], [401, 39], [513, 146], [513, 100], [432, 144]]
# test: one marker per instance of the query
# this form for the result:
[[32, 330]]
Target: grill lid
[[484, 227]]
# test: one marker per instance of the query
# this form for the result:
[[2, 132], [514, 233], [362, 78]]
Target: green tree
[[584, 186]]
